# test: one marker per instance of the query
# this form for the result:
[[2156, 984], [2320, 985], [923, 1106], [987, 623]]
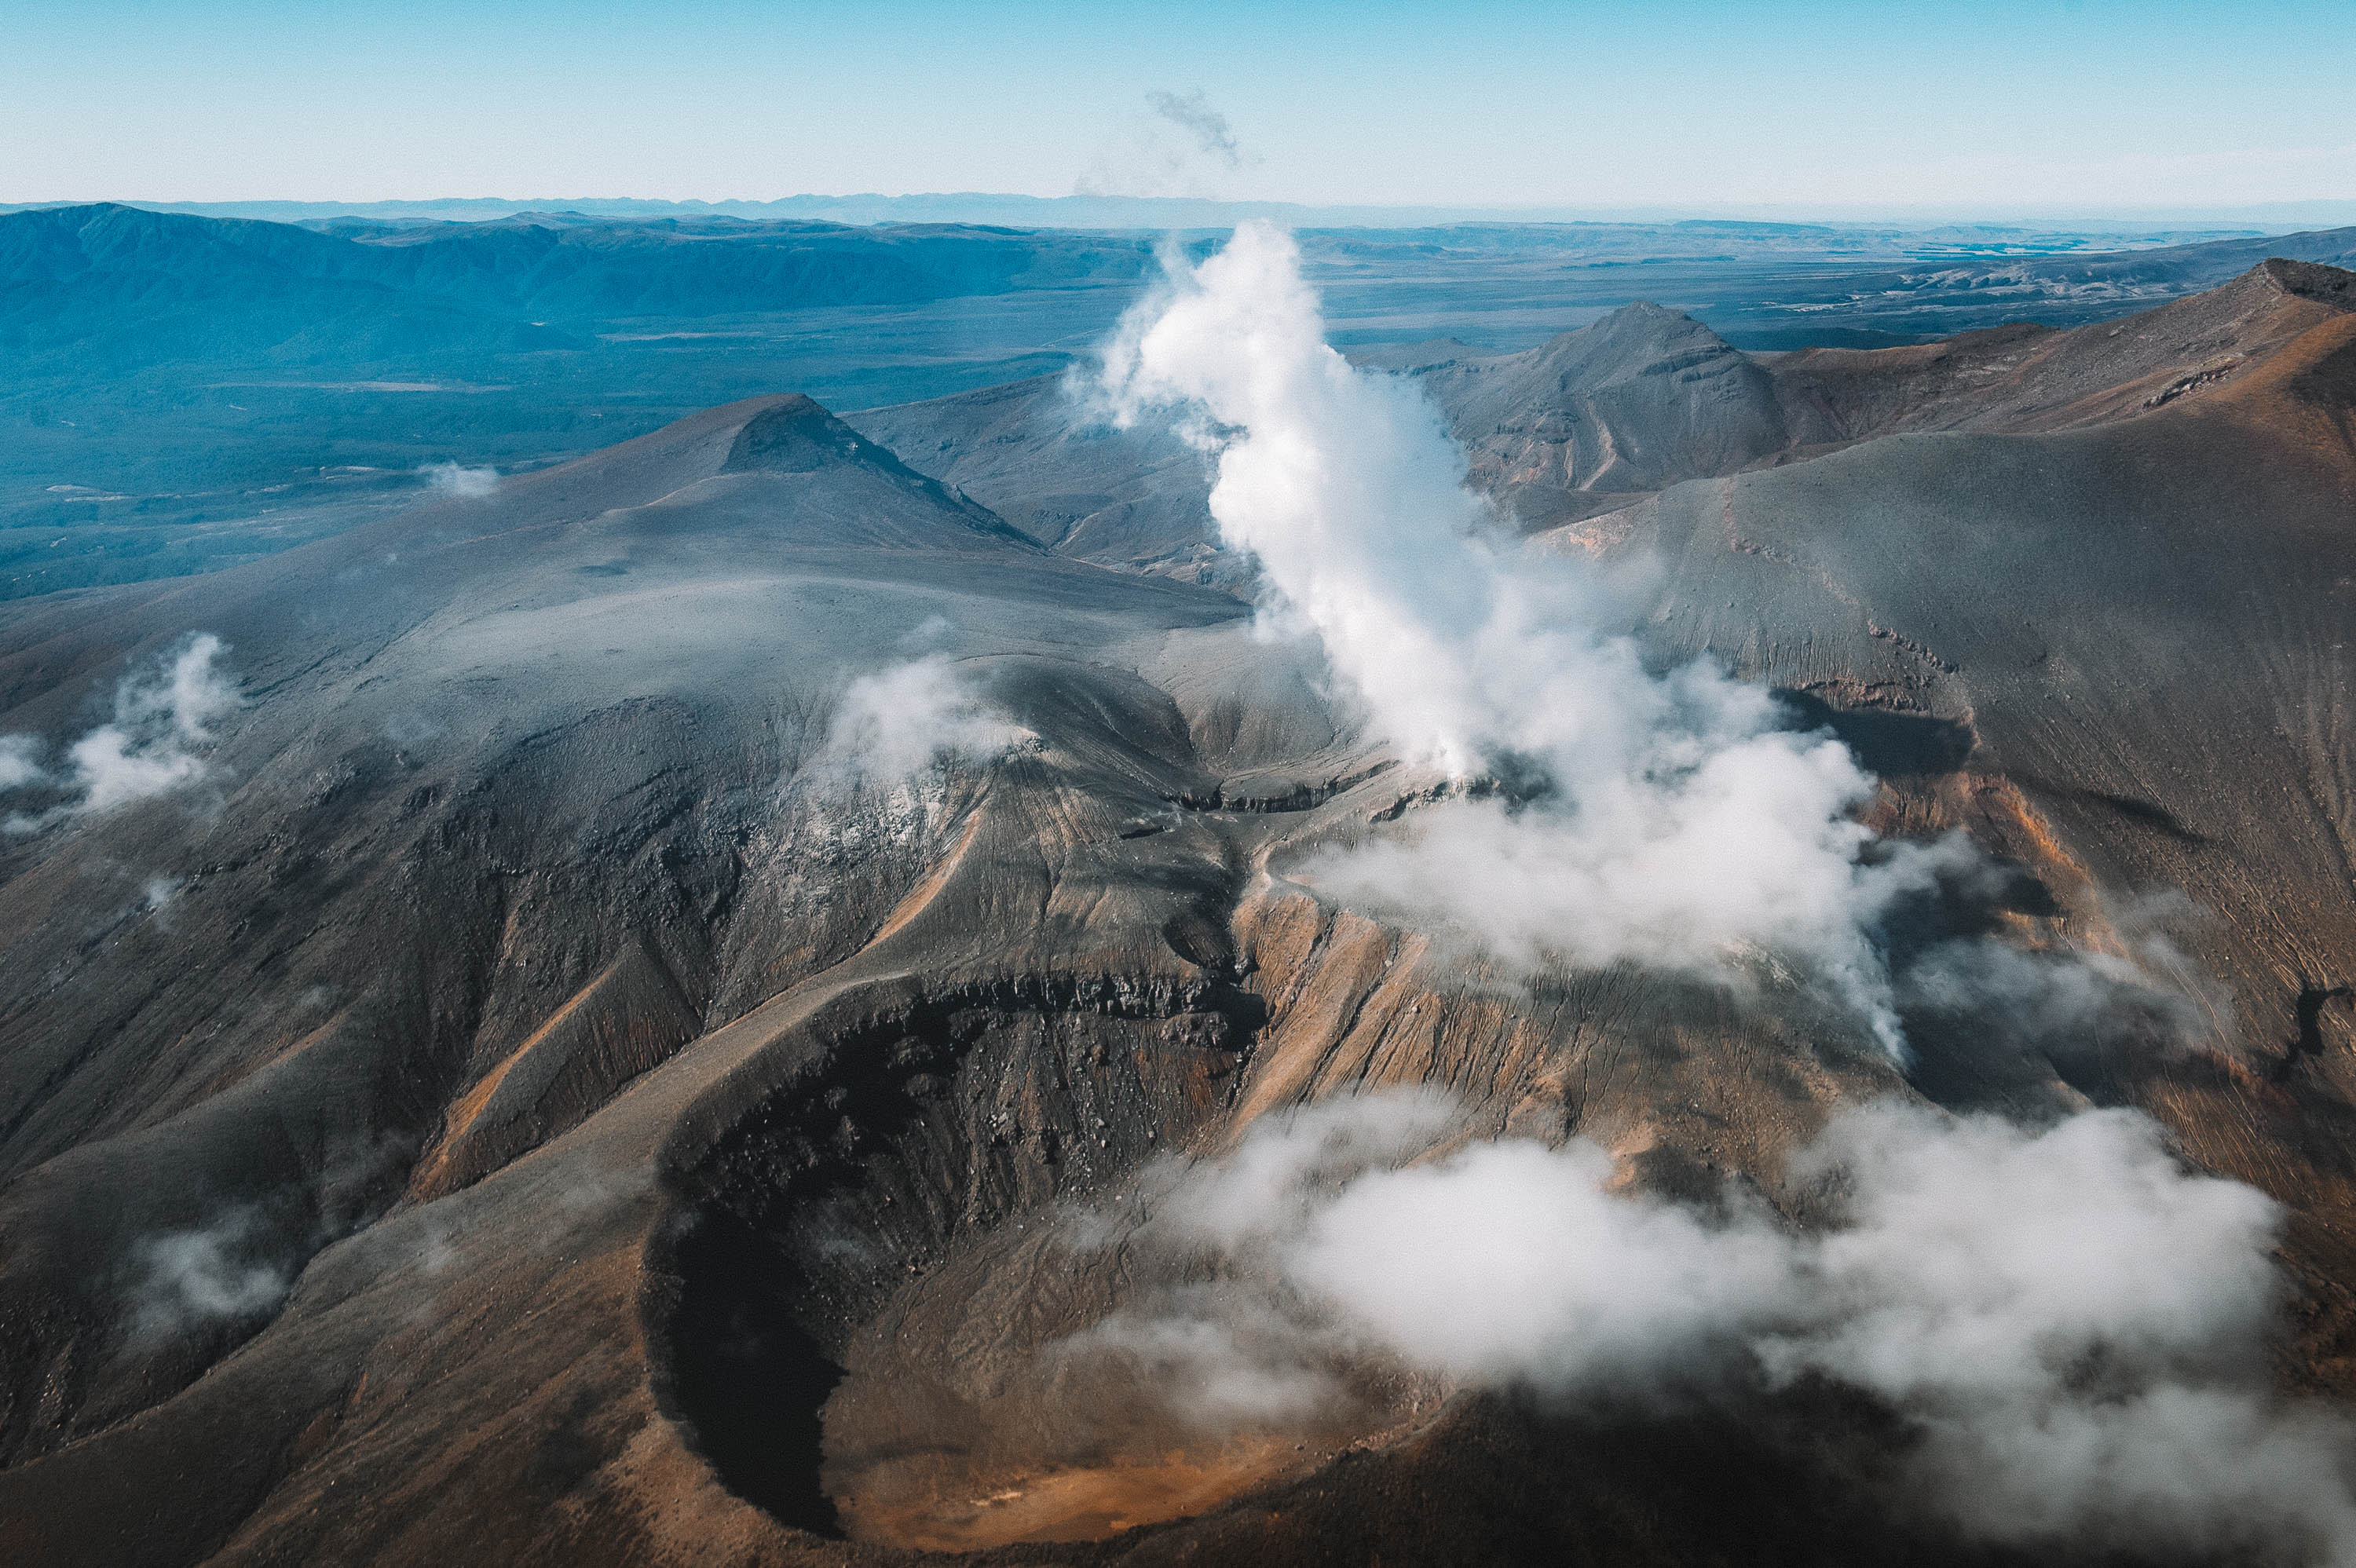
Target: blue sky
[[2084, 106]]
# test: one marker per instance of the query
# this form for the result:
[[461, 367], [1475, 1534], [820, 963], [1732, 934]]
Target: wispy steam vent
[[163, 720], [20, 760], [1182, 148], [2073, 1327], [909, 719], [1193, 113], [464, 484], [218, 1273]]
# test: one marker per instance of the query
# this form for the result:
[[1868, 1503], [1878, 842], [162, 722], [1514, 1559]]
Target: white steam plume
[[465, 484], [1676, 822], [246, 1255], [2075, 1325], [904, 721], [188, 1279], [20, 762], [162, 715]]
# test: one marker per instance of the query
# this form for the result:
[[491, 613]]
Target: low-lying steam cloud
[[465, 484], [164, 716], [20, 760], [2073, 1325], [239, 1264], [905, 720], [220, 1272]]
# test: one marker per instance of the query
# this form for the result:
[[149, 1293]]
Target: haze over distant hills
[[1161, 212], [186, 392]]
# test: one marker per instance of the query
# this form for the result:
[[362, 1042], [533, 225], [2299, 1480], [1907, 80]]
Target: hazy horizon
[[1105, 211], [1824, 111]]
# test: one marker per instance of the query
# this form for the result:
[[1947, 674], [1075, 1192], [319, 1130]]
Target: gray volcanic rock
[[538, 1096], [2114, 556], [1626, 406], [1634, 402], [504, 763], [1036, 454], [2024, 377], [1595, 419]]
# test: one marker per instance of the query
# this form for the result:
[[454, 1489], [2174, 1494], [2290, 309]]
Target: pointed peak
[[793, 433], [1635, 333]]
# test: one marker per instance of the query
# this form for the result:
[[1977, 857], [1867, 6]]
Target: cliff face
[[544, 1086]]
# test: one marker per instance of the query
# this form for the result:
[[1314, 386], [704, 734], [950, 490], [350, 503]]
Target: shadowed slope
[[1133, 500]]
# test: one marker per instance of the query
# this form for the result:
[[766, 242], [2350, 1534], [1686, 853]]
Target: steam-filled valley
[[1229, 950]]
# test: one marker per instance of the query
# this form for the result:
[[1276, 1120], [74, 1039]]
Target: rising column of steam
[[1680, 824], [2073, 1325]]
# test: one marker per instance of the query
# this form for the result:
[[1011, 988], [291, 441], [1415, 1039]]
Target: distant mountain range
[[122, 286], [1195, 213], [180, 392], [111, 288]]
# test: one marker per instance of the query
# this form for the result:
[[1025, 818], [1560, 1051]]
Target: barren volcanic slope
[[1595, 419], [631, 1018], [2116, 556]]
